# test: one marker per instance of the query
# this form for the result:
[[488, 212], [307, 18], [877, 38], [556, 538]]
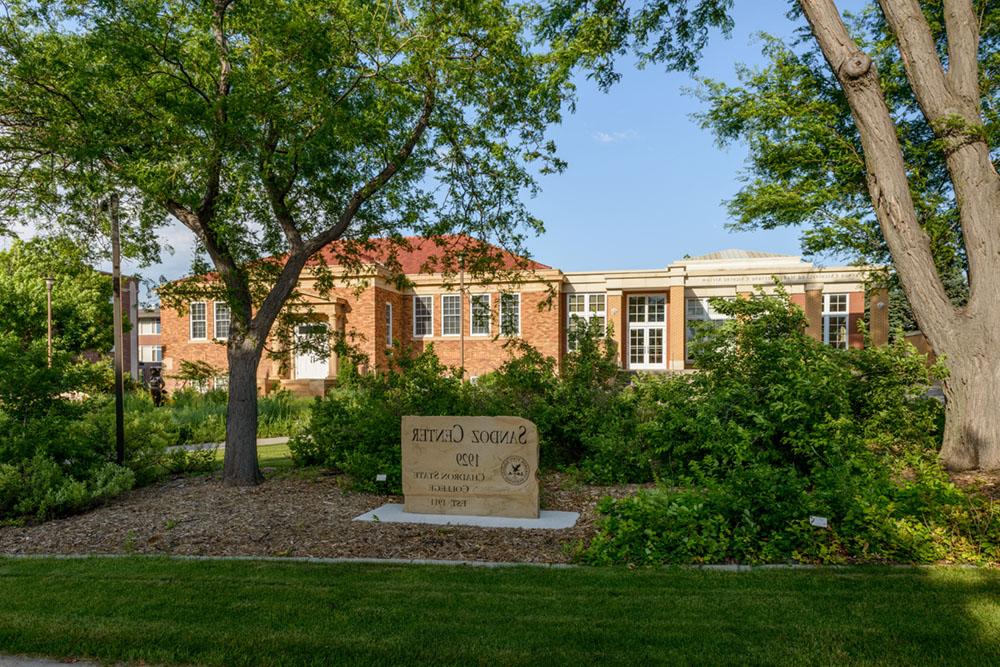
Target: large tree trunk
[[949, 99], [972, 413], [240, 468]]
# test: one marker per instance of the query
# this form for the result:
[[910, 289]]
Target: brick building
[[150, 341], [648, 312]]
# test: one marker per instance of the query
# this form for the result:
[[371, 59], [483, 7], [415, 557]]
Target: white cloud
[[613, 137]]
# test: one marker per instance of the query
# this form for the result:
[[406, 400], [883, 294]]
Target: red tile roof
[[417, 254]]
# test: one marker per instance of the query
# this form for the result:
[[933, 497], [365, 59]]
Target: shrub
[[356, 428], [181, 461], [57, 436], [775, 428], [41, 489]]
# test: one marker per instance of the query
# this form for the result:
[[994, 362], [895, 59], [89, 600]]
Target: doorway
[[647, 332], [309, 364]]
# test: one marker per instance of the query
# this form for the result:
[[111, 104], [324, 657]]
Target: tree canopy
[[272, 129], [805, 164], [81, 296]]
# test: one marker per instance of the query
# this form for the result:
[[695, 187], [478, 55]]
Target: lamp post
[[111, 207], [49, 281]]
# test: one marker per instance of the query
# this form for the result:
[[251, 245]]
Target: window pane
[[596, 303], [423, 315], [836, 303], [636, 309], [581, 309], [656, 346], [388, 324], [510, 314], [451, 314], [199, 322], [636, 346], [149, 327], [221, 320], [480, 314], [836, 331], [656, 306], [696, 309]]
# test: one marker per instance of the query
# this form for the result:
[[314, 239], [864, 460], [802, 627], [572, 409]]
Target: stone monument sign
[[480, 466]]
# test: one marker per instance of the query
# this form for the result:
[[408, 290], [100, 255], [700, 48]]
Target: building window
[[451, 315], [699, 309], [221, 382], [835, 320], [149, 354], [510, 314], [221, 320], [423, 316], [199, 321], [388, 325], [647, 331], [480, 314], [582, 309], [149, 327]]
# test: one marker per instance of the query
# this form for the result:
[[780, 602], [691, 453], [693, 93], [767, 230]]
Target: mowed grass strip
[[164, 611]]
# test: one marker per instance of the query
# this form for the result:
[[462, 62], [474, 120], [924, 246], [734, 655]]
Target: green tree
[[81, 296], [274, 129], [918, 137]]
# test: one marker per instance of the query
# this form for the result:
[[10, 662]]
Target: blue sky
[[645, 185]]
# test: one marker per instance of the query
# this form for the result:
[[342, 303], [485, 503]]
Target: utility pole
[[48, 286], [112, 208]]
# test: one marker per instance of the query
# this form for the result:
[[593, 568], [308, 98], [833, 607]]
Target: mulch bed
[[296, 514]]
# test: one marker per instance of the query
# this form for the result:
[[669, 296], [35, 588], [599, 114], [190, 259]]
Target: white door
[[647, 332], [309, 364]]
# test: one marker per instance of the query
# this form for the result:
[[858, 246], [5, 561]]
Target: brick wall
[[540, 327], [175, 336], [365, 325]]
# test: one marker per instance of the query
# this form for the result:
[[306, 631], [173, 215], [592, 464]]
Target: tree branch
[[920, 58], [277, 194], [951, 104], [296, 261], [962, 26], [365, 192], [886, 170]]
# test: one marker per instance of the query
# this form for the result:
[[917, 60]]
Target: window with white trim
[[222, 317], [510, 314], [388, 325], [699, 309], [647, 331], [149, 327], [580, 310], [479, 314], [199, 320], [423, 316], [835, 320], [150, 353], [451, 314]]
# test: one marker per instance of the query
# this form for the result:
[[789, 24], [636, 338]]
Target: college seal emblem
[[514, 470]]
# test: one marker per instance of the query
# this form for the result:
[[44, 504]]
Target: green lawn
[[268, 456], [248, 612]]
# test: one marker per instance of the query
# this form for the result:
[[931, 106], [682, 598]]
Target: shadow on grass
[[244, 612]]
